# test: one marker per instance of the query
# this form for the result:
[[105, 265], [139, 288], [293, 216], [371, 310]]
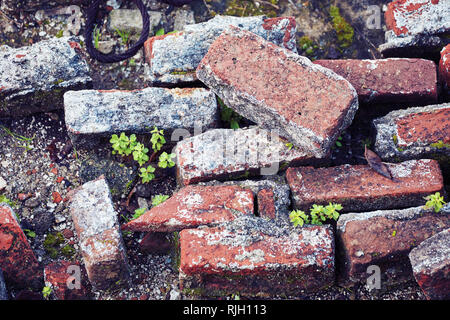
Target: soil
[[37, 158]]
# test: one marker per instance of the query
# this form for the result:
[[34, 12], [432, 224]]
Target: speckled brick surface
[[193, 206], [394, 80], [444, 68], [383, 238], [414, 25], [431, 265], [359, 188], [99, 237], [17, 261], [91, 115], [34, 78], [308, 104], [253, 256], [414, 133], [227, 153], [173, 58]]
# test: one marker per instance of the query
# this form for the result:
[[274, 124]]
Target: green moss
[[52, 244], [307, 46], [179, 73], [440, 145], [68, 251], [343, 29], [247, 8]]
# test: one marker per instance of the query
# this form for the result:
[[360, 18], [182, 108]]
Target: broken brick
[[359, 188], [279, 90], [194, 206]]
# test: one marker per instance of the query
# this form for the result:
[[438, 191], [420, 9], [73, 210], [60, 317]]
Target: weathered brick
[[17, 260], [274, 193], [415, 26], [420, 132], [308, 104], [253, 256], [60, 276], [93, 114], [389, 80], [226, 153], [98, 233], [194, 206], [444, 68], [173, 58], [384, 239], [430, 262], [359, 188], [34, 79]]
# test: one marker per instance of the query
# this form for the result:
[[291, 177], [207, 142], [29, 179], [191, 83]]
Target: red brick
[[193, 206], [384, 239], [266, 204], [431, 265], [56, 197], [414, 133], [277, 89], [403, 16], [253, 256], [58, 273], [389, 80], [444, 68], [17, 260], [359, 188], [426, 127]]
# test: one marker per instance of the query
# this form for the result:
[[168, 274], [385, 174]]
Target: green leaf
[[160, 32]]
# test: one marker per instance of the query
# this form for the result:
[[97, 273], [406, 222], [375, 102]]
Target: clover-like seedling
[[122, 144], [435, 202], [317, 215], [158, 199], [147, 174], [165, 160], [157, 139], [46, 292], [140, 153], [138, 212], [298, 218]]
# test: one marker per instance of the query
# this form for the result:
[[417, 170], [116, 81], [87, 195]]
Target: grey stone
[[3, 292], [91, 114], [390, 146], [182, 18], [2, 184], [174, 58], [430, 262], [99, 237], [227, 153], [130, 20], [34, 79]]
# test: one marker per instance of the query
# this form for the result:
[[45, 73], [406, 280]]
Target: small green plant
[[307, 46], [124, 36], [158, 199], [52, 244], [228, 115], [46, 292], [138, 212], [96, 36], [122, 144], [68, 251], [435, 202], [19, 138], [157, 139], [140, 153], [343, 29], [4, 199], [318, 214], [147, 174], [339, 142], [30, 233], [165, 160], [59, 34], [160, 32], [289, 145]]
